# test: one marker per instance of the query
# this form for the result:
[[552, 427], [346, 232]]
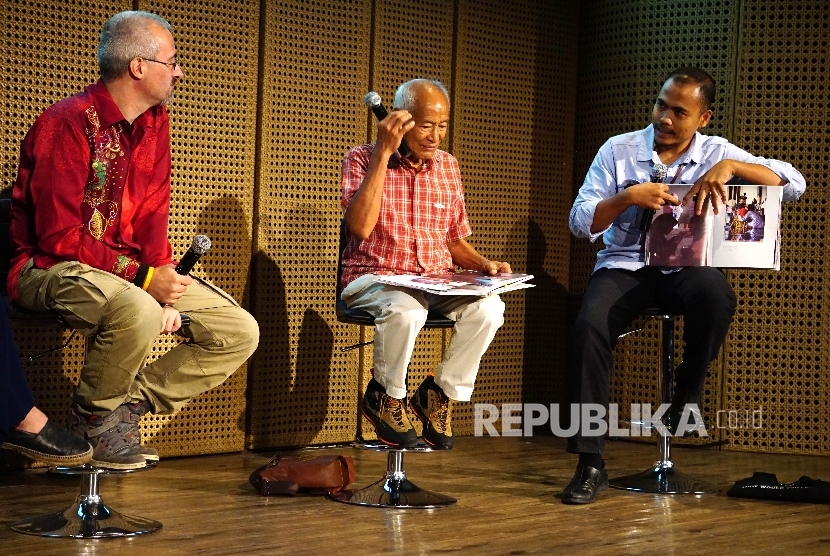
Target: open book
[[745, 233], [461, 283]]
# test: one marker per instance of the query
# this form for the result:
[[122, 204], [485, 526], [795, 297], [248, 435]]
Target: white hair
[[405, 95]]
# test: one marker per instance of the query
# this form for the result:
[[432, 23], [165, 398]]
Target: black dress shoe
[[53, 445], [676, 414], [586, 484]]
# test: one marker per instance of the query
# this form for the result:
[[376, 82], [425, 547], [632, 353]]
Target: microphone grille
[[658, 173], [200, 245], [371, 99]]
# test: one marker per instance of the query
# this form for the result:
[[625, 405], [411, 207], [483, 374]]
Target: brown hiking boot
[[111, 450], [433, 408], [130, 415], [388, 416]]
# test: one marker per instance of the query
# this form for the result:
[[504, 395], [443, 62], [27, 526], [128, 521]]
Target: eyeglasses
[[172, 65]]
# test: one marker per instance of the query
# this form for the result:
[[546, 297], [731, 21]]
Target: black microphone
[[198, 248], [658, 175], [372, 100]]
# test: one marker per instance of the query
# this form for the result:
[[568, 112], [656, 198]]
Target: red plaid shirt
[[421, 211]]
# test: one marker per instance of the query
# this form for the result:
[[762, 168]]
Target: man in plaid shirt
[[405, 215]]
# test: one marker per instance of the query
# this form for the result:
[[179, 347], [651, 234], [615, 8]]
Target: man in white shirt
[[610, 204]]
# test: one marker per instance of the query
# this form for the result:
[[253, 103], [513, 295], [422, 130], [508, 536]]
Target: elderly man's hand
[[392, 128], [495, 267]]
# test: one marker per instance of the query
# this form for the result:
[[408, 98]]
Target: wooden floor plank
[[508, 503]]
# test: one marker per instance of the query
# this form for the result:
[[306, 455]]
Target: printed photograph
[[677, 237], [744, 214]]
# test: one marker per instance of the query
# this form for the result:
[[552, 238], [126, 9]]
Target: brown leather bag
[[290, 475]]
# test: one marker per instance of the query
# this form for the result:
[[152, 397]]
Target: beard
[[168, 100]]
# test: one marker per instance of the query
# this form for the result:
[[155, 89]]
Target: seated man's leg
[[707, 302], [612, 299], [399, 316], [222, 337], [125, 322], [477, 319]]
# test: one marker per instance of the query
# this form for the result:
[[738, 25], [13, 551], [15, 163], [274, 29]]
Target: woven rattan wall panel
[[777, 349], [213, 130], [631, 47], [546, 319], [513, 145], [315, 73], [48, 54]]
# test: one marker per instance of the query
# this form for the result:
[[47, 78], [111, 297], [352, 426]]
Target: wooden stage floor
[[508, 503]]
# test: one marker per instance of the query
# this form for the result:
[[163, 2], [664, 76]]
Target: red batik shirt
[[92, 188], [421, 211]]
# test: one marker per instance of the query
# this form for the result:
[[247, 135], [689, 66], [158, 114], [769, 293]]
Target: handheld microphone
[[658, 175], [372, 100], [198, 248]]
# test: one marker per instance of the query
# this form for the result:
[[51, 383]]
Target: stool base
[[89, 517], [662, 479], [86, 519], [394, 490], [393, 493]]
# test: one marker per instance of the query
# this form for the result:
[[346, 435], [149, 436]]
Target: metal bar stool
[[89, 516], [663, 477], [394, 490]]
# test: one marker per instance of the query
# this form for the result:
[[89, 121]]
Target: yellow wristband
[[149, 277]]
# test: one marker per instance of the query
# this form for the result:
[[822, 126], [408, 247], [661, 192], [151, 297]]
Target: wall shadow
[[546, 325]]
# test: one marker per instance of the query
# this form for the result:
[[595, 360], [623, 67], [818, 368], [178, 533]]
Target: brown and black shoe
[[111, 450], [432, 406], [130, 415], [388, 416]]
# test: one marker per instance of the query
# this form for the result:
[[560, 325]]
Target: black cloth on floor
[[765, 486]]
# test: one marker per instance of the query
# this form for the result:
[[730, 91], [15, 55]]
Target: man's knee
[[591, 319], [248, 327], [134, 309], [490, 310], [714, 293], [403, 308]]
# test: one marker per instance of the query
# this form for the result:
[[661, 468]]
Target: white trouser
[[400, 314]]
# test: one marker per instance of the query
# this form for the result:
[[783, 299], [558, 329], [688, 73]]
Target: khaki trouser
[[400, 313], [125, 322]]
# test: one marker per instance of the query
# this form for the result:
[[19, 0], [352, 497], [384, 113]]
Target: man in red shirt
[[89, 225], [405, 215]]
